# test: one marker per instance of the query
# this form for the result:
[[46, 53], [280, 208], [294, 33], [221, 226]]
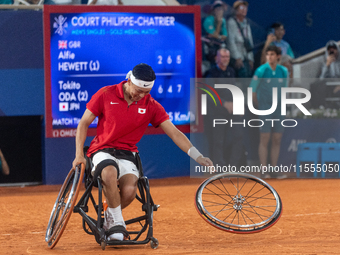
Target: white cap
[[139, 83]]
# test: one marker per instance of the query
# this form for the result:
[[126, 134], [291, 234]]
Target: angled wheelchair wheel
[[63, 206], [238, 203]]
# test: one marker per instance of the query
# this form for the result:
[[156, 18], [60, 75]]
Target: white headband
[[139, 83]]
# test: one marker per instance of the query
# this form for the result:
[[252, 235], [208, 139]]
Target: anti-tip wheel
[[154, 243], [103, 245]]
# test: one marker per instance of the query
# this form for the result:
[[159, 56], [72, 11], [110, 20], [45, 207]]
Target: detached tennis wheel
[[238, 203], [64, 205]]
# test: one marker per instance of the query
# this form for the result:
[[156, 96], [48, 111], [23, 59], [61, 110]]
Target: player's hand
[[330, 60], [270, 38], [337, 88], [78, 160], [204, 161], [239, 63], [251, 64], [229, 106]]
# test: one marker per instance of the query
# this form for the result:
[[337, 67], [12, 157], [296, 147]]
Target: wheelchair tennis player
[[124, 112]]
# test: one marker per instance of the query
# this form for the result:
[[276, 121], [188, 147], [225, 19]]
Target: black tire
[[238, 203], [64, 205]]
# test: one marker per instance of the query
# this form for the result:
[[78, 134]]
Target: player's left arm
[[286, 76], [254, 84], [183, 143]]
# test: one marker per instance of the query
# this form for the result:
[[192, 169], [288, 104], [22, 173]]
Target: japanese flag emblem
[[63, 107], [141, 110]]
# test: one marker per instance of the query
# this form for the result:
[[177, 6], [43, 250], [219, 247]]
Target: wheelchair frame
[[62, 210]]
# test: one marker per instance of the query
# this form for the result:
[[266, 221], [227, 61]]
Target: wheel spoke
[[218, 195], [225, 188], [228, 216], [222, 190], [253, 210], [260, 207], [248, 217], [255, 213], [215, 203], [234, 216]]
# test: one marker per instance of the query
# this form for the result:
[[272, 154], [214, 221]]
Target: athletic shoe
[[116, 237], [283, 176], [267, 176], [109, 223]]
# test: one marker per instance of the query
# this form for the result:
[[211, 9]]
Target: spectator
[[222, 68], [275, 38], [215, 28], [330, 69], [3, 164], [331, 65], [215, 25], [287, 62], [276, 76], [225, 143], [240, 40]]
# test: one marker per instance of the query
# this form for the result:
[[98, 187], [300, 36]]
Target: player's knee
[[264, 139], [109, 174], [129, 192], [276, 140]]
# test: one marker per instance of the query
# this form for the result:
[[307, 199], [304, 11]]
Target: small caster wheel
[[154, 243], [103, 245]]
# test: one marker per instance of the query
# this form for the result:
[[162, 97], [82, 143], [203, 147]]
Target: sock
[[117, 215]]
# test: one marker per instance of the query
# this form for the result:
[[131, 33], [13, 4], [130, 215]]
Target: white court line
[[309, 214]]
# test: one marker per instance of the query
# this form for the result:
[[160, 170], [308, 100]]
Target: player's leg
[[263, 148], [235, 134], [275, 147], [109, 177], [113, 214], [117, 199], [128, 189], [106, 166], [3, 164]]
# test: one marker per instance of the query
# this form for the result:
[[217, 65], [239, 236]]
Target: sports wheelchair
[[66, 204]]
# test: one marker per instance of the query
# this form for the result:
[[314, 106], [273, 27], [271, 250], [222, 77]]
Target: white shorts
[[125, 166]]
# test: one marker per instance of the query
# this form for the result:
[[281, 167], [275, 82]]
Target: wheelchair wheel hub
[[238, 202]]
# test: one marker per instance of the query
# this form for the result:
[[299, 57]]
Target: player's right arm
[[82, 128]]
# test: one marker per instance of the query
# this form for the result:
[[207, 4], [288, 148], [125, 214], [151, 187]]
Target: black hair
[[144, 72], [274, 48], [332, 46], [277, 25]]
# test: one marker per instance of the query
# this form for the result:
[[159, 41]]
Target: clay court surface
[[310, 223]]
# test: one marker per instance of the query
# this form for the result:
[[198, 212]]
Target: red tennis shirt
[[120, 125]]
